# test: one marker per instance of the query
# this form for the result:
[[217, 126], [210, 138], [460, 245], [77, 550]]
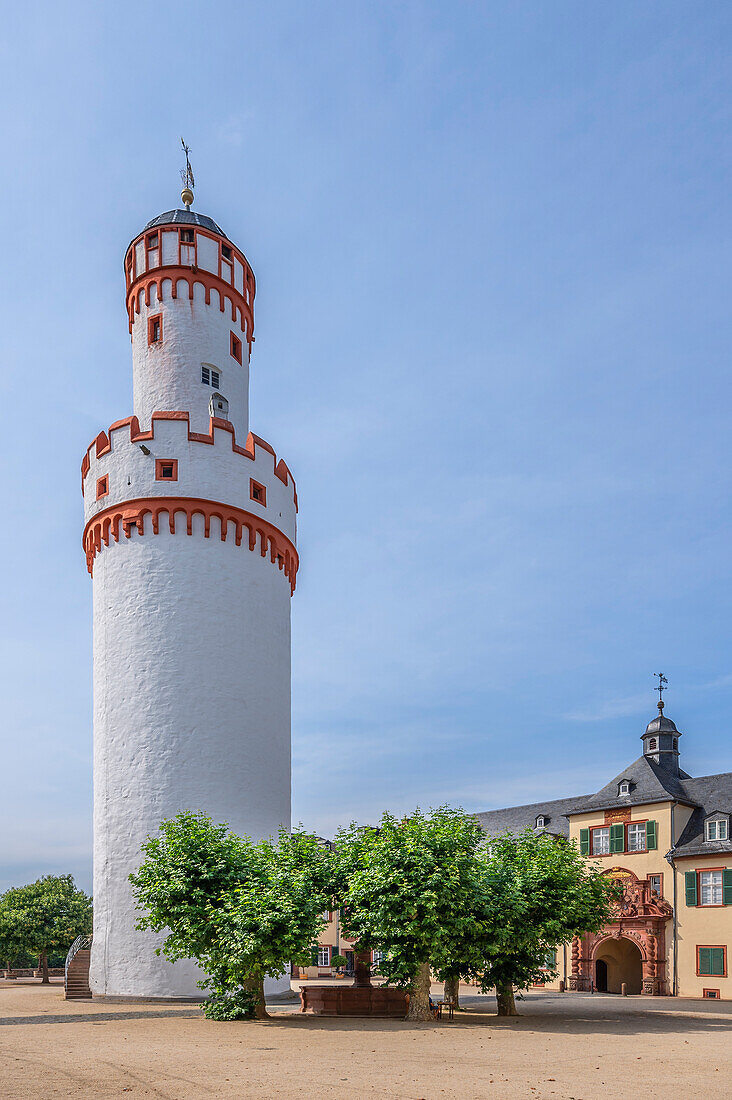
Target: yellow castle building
[[665, 837]]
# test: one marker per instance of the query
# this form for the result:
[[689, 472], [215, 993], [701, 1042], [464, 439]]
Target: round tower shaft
[[190, 532]]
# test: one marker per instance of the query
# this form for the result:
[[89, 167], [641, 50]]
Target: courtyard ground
[[567, 1046]]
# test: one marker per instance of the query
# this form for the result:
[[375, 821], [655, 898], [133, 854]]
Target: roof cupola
[[661, 739]]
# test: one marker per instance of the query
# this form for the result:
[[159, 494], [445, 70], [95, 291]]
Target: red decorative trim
[[717, 947], [171, 464], [155, 328], [235, 347], [103, 445], [257, 492], [120, 519], [102, 487], [712, 994], [135, 280], [226, 291]]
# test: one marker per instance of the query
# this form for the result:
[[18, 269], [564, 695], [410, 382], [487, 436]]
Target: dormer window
[[623, 788], [716, 829], [540, 821]]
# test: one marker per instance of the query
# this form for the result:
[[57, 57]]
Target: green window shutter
[[727, 887], [717, 961], [617, 837], [690, 887], [584, 842], [651, 834], [705, 960], [314, 955]]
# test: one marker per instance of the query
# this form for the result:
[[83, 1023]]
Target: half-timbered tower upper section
[[190, 302]]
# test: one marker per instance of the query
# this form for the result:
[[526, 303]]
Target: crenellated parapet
[[170, 461]]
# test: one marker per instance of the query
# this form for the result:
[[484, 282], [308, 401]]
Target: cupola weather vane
[[186, 174], [662, 683]]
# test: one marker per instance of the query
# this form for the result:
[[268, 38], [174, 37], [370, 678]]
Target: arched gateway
[[631, 950], [618, 963]]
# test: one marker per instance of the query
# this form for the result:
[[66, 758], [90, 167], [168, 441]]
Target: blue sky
[[492, 345]]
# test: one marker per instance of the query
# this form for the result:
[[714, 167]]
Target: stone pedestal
[[348, 1000]]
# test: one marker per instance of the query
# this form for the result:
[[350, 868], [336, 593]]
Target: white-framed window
[[636, 836], [654, 881], [326, 914], [601, 841], [323, 956], [540, 821], [624, 787], [710, 887], [210, 377], [376, 957], [717, 830]]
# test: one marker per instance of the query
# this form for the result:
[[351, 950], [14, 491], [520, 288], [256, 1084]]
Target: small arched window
[[676, 742], [540, 821], [219, 406], [653, 744]]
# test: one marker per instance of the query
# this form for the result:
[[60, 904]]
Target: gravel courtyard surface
[[572, 1047]]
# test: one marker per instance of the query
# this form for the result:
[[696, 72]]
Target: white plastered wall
[[166, 376], [191, 711]]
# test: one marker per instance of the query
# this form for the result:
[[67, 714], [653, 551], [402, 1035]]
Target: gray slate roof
[[650, 782], [517, 818], [711, 793], [185, 217]]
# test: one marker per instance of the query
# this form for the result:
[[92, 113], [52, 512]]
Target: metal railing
[[81, 943]]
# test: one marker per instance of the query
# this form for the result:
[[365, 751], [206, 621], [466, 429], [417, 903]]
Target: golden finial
[[186, 174]]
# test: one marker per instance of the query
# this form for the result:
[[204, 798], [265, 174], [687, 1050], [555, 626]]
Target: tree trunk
[[506, 1003], [419, 994], [256, 985], [43, 966], [452, 991], [362, 976]]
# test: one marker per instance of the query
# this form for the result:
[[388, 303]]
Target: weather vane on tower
[[186, 174], [662, 683]]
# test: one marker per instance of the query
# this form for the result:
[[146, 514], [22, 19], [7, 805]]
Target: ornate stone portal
[[640, 917]]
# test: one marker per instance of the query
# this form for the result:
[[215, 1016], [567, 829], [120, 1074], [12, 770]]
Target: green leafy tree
[[44, 917], [407, 889], [536, 893], [241, 909]]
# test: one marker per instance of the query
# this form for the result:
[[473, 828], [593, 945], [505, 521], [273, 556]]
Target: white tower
[[190, 539]]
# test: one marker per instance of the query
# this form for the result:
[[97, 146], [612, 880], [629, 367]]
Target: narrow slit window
[[152, 248], [187, 246], [236, 347], [155, 329], [227, 267], [102, 487]]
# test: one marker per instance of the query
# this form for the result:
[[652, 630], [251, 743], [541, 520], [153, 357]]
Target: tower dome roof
[[186, 217], [661, 724]]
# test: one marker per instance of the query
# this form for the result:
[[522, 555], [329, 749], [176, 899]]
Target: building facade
[[666, 838], [190, 531]]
